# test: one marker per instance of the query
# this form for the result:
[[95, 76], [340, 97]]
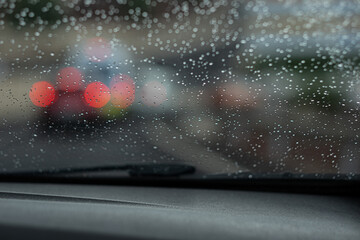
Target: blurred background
[[261, 86]]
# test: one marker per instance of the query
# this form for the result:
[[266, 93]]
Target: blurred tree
[[26, 12]]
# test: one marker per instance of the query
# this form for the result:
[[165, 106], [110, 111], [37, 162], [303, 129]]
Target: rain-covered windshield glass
[[264, 86]]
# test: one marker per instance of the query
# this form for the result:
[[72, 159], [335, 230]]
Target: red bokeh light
[[97, 94], [69, 79], [42, 94]]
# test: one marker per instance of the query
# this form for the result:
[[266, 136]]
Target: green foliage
[[316, 80], [28, 12]]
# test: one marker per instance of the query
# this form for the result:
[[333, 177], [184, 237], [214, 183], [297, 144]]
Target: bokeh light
[[69, 79], [230, 95], [153, 93], [97, 49], [122, 89], [42, 94], [122, 94], [97, 94]]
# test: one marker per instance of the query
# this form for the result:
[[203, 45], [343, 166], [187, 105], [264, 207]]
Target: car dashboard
[[75, 211]]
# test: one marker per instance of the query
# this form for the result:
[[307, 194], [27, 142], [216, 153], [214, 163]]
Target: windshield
[[224, 86]]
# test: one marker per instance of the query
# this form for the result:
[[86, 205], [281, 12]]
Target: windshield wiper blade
[[134, 170]]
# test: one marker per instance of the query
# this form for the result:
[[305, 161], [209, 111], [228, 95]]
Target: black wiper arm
[[134, 170]]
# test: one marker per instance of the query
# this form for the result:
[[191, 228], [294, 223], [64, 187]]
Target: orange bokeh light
[[97, 94], [69, 79], [122, 89], [122, 94], [42, 94]]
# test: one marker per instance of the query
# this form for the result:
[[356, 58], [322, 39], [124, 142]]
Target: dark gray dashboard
[[56, 211]]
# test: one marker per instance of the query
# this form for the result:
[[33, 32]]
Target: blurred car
[[96, 87]]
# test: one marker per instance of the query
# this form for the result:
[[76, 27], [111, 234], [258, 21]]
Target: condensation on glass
[[226, 86]]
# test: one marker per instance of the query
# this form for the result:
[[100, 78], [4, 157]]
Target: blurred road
[[34, 147]]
